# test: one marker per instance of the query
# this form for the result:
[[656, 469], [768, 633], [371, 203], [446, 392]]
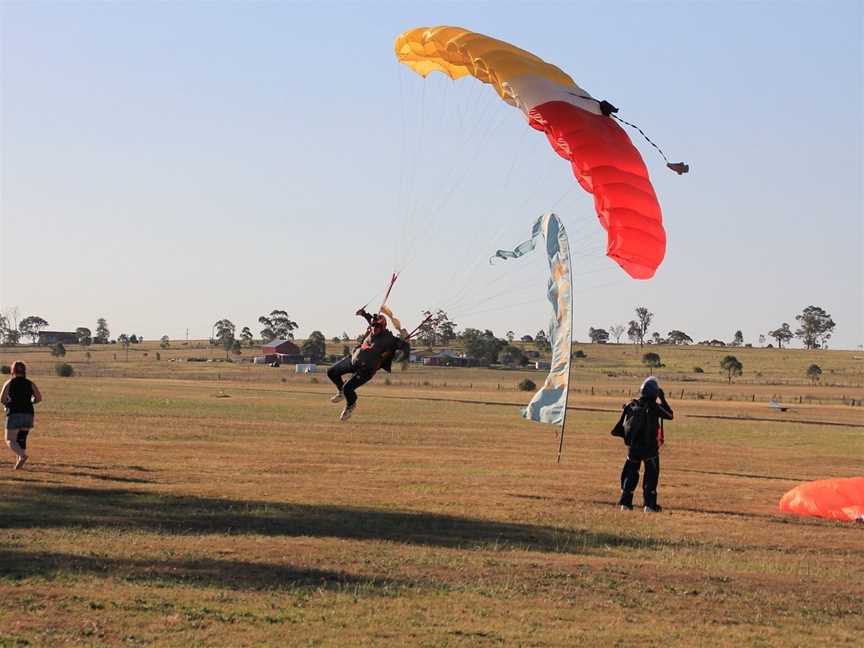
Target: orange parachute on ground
[[836, 499]]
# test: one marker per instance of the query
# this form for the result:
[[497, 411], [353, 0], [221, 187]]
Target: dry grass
[[214, 504]]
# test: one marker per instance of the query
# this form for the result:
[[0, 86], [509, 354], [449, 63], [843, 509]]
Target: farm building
[[445, 359], [286, 347], [53, 337]]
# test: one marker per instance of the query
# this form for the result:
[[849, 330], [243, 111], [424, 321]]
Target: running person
[[376, 350], [18, 397]]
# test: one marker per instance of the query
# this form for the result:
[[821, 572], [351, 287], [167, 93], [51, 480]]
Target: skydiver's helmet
[[650, 389], [378, 324]]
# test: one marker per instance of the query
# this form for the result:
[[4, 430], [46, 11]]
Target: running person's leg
[[12, 442]]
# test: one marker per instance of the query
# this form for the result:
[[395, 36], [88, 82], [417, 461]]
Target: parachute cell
[[578, 127], [836, 499]]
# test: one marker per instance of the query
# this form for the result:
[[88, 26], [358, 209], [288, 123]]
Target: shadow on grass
[[207, 572], [40, 506]]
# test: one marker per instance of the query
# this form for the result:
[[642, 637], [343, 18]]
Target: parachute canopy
[[578, 126], [836, 499]]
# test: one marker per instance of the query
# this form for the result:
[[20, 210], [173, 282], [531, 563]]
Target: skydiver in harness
[[376, 350]]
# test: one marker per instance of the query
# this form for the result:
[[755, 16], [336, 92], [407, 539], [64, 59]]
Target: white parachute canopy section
[[549, 405]]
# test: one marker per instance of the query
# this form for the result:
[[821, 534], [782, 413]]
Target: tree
[[510, 335], [345, 337], [782, 334], [738, 340], [30, 327], [445, 329], [164, 342], [246, 336], [224, 335], [814, 372], [651, 360], [656, 339], [512, 355], [315, 347], [527, 338], [541, 341], [236, 347], [598, 336], [102, 332], [58, 350], [123, 340], [277, 326], [634, 332], [426, 330], [617, 330], [85, 337], [731, 366], [815, 327], [133, 339], [483, 346], [761, 339], [643, 318], [679, 337]]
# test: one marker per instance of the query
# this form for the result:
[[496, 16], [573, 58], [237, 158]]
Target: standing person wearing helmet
[[18, 397], [376, 351], [640, 425]]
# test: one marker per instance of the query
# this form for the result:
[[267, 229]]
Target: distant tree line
[[815, 327]]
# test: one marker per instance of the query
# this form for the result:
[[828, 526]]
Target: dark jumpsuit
[[647, 451]]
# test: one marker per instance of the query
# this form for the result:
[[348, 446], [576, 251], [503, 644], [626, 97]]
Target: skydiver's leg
[[335, 373], [649, 483], [360, 377], [629, 481]]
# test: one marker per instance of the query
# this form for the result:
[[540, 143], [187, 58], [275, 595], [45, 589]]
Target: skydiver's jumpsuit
[[645, 450], [375, 352]]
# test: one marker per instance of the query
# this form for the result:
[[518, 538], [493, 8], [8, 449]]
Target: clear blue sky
[[165, 165]]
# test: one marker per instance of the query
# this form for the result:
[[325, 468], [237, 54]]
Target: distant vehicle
[[773, 404]]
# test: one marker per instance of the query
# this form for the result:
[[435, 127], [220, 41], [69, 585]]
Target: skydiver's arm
[[4, 395], [37, 395], [362, 313], [663, 407]]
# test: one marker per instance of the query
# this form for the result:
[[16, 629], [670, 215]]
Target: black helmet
[[650, 388]]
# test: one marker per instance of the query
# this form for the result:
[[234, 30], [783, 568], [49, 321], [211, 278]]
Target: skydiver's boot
[[337, 397], [347, 412]]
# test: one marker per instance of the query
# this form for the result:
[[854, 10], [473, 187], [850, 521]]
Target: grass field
[[181, 504]]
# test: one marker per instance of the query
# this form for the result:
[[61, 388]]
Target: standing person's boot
[[651, 505], [625, 503]]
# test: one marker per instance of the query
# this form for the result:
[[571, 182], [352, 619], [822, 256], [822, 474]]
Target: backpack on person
[[636, 424]]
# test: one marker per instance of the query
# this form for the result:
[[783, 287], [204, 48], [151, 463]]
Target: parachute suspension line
[[472, 241], [402, 153], [677, 167], [393, 279], [456, 175], [410, 199]]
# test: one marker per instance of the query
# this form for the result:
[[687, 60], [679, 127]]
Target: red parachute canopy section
[[835, 499]]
